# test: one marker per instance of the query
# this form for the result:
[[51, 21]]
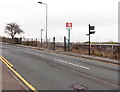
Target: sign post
[[69, 27], [68, 39], [90, 32]]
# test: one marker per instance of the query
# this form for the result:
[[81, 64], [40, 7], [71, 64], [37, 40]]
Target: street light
[[46, 17], [40, 2], [41, 36]]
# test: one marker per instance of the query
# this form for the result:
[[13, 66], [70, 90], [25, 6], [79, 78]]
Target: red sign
[[68, 24]]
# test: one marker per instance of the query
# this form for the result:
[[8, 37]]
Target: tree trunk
[[12, 39]]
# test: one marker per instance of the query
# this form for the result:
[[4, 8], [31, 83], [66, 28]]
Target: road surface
[[51, 71]]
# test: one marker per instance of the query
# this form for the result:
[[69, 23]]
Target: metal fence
[[103, 50]]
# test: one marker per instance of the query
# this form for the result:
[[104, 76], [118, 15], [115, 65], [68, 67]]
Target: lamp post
[[41, 36], [46, 17]]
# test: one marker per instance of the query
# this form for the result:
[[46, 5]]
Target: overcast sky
[[103, 14]]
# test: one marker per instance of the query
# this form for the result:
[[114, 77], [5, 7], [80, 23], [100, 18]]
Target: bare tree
[[12, 29]]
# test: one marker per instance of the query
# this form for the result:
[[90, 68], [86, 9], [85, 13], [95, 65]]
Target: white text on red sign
[[68, 24]]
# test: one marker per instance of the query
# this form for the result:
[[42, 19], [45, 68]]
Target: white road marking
[[71, 64], [60, 60], [41, 55]]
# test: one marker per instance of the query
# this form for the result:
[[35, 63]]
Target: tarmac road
[[51, 71]]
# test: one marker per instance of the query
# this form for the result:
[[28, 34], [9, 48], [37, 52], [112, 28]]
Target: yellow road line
[[18, 75], [6, 61]]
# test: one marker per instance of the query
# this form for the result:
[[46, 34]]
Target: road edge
[[100, 59]]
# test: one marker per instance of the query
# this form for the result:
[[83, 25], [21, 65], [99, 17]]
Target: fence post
[[64, 43], [20, 40], [53, 43], [36, 42]]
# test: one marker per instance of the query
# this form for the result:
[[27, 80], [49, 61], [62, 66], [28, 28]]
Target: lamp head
[[40, 2]]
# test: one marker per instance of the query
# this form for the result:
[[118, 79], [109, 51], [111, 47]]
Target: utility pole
[[90, 32]]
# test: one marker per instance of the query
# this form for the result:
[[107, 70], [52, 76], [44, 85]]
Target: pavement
[[107, 60], [52, 71], [9, 82]]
